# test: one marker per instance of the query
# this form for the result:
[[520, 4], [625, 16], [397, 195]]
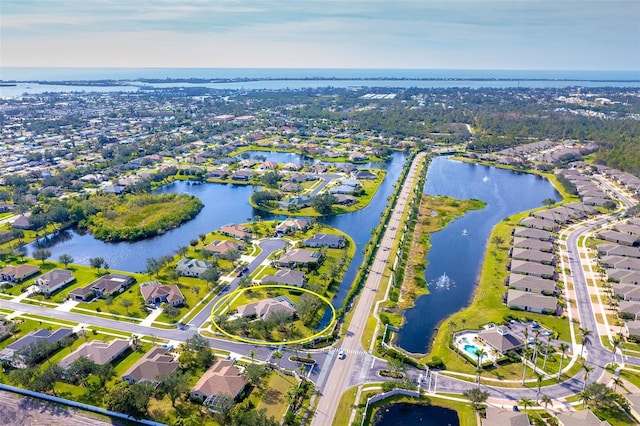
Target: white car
[[341, 354]]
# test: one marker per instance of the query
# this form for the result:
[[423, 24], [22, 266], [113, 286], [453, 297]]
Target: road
[[357, 364]]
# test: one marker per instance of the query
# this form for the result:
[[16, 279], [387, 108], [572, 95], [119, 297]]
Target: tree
[[174, 384], [255, 372], [617, 381], [96, 262], [153, 266], [539, 379], [129, 399], [323, 203], [210, 275], [105, 372], [65, 259], [80, 369], [497, 240], [396, 366], [182, 251], [41, 254], [587, 370], [586, 341], [126, 303], [307, 307], [479, 354], [476, 396], [46, 380], [598, 394], [616, 342], [545, 400], [548, 202], [563, 348], [172, 312], [252, 354], [277, 355], [525, 402]]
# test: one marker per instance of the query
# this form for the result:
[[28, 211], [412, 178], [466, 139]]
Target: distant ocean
[[299, 78]]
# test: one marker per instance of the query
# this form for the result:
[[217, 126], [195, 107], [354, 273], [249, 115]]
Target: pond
[[402, 414], [456, 253]]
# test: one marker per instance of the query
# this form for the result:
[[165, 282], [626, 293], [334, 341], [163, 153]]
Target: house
[[325, 240], [155, 293], [240, 232], [633, 399], [545, 225], [501, 417], [5, 236], [291, 225], [290, 187], [532, 244], [192, 267], [618, 250], [285, 277], [537, 234], [54, 280], [531, 302], [532, 284], [581, 208], [222, 378], [621, 263], [97, 351], [633, 331], [299, 257], [623, 276], [532, 255], [580, 418], [268, 165], [263, 309], [156, 363], [299, 202], [532, 268], [16, 274], [344, 199], [106, 285], [221, 248], [10, 353], [243, 175], [628, 229], [217, 174], [500, 339], [629, 309], [21, 222], [363, 174], [626, 291], [342, 189], [114, 189], [617, 237]]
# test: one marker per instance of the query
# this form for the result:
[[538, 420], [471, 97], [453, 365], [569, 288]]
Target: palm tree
[[563, 349], [615, 342], [525, 354], [546, 352], [545, 400], [617, 381], [539, 379], [252, 354], [525, 402], [587, 371], [585, 333]]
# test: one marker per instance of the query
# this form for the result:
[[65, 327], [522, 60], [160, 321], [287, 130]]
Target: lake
[[402, 414], [456, 253]]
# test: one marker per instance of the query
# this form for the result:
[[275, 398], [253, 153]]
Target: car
[[341, 354], [515, 408]]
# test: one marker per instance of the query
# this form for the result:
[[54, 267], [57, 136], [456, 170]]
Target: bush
[[392, 374], [436, 363]]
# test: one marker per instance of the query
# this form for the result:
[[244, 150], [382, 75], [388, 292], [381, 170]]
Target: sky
[[396, 34]]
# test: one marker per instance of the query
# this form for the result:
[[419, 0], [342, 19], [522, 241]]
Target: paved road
[[356, 366], [326, 178]]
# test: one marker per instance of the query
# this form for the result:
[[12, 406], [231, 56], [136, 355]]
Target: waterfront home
[[243, 175], [545, 225], [217, 174], [299, 257], [53, 338], [531, 284], [581, 208], [537, 234], [532, 244], [97, 351], [22, 222], [290, 225], [264, 309], [532, 268], [222, 378], [192, 267], [580, 418], [152, 366], [239, 232], [298, 202], [285, 277], [221, 248], [553, 215], [342, 189], [155, 293], [344, 199], [501, 339], [363, 174], [105, 286], [325, 240], [19, 273], [531, 302], [532, 255], [54, 280]]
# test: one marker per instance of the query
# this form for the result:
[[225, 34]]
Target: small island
[[136, 216]]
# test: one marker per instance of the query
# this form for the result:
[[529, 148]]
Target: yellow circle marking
[[239, 291]]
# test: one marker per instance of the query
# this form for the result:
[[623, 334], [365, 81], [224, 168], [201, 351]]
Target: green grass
[[271, 394]]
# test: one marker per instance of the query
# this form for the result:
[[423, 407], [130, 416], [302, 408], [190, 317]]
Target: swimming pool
[[473, 351]]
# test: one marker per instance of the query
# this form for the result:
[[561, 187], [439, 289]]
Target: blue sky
[[453, 34]]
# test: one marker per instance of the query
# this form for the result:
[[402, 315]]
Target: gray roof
[[97, 351], [532, 233], [532, 243], [500, 338], [532, 222], [285, 276], [325, 239], [619, 250], [531, 283], [532, 255], [54, 278], [580, 418], [500, 417], [531, 300], [532, 268], [42, 334]]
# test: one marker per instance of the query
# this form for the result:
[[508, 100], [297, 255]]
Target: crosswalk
[[349, 351]]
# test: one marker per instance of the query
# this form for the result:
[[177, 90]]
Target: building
[[154, 364], [155, 293], [537, 234], [264, 309], [222, 248], [532, 284], [500, 339], [532, 268], [97, 351], [531, 302], [501, 417], [299, 257], [325, 240], [580, 418], [105, 286], [532, 255], [192, 267], [19, 273], [222, 378], [290, 225], [285, 277], [54, 280], [21, 222], [239, 232], [10, 353]]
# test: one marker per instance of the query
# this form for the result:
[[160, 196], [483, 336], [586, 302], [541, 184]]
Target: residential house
[[342, 189], [299, 257], [222, 248], [580, 418], [628, 229], [623, 276], [22, 222], [285, 277], [97, 351], [617, 237], [105, 286], [192, 267], [532, 268], [537, 234], [501, 417], [54, 280], [217, 174], [344, 199], [5, 236], [155, 293], [532, 244], [531, 302], [363, 174], [626, 291], [325, 240], [290, 187], [297, 202], [154, 364], [240, 232], [629, 309], [500, 339], [545, 225], [291, 225], [633, 331], [222, 378], [243, 175], [532, 255], [618, 250], [19, 273], [10, 353], [621, 263], [263, 309], [532, 284]]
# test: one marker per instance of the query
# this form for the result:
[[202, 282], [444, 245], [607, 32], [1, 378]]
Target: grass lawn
[[614, 415], [272, 394]]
